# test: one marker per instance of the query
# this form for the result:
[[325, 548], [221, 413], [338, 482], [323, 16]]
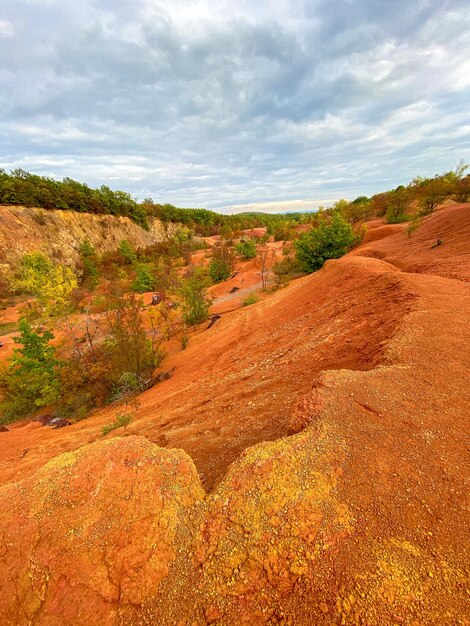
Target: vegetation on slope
[[108, 342]]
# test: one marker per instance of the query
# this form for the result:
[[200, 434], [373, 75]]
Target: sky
[[235, 105]]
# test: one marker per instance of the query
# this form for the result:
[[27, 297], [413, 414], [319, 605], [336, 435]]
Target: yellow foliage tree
[[51, 283]]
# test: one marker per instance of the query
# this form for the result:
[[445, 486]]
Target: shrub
[[31, 379], [122, 420], [329, 241], [219, 270], [127, 252], [252, 298], [286, 269], [144, 280], [128, 349], [413, 225], [394, 216], [51, 283], [246, 249], [195, 303], [357, 210], [222, 262]]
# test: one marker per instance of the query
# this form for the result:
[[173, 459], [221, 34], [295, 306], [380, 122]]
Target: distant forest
[[20, 188]]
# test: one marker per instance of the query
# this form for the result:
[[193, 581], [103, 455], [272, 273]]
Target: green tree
[[246, 248], [222, 263], [433, 191], [357, 210], [144, 280], [30, 381], [398, 203], [329, 241], [195, 302], [129, 352], [219, 270], [127, 251]]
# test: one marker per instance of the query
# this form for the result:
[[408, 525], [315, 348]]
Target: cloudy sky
[[232, 103]]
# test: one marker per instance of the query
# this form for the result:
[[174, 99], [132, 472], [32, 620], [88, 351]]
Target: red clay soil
[[359, 518], [419, 253], [255, 232], [8, 316]]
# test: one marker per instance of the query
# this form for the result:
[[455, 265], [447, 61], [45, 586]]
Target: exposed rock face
[[59, 233], [272, 528], [95, 530]]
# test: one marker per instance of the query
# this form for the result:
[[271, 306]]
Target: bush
[[246, 249], [51, 283], [413, 225], [117, 365], [30, 381], [286, 269], [219, 270], [252, 298], [329, 241], [144, 280], [195, 305], [222, 262], [127, 252], [394, 216], [357, 210], [121, 421]]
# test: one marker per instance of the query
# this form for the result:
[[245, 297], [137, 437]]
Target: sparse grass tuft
[[121, 421], [8, 327], [252, 298]]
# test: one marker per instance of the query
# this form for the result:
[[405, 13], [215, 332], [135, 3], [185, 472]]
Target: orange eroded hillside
[[307, 463]]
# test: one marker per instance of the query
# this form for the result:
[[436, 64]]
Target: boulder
[[100, 530]]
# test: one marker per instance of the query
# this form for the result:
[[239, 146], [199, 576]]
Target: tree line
[[21, 188]]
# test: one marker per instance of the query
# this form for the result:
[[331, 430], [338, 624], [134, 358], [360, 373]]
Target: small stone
[[323, 607], [212, 614]]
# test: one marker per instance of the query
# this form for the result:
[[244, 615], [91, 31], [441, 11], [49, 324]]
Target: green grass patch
[[8, 327], [252, 298], [121, 421]]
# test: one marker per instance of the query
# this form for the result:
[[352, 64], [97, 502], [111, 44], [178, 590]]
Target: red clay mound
[[419, 253], [97, 530], [361, 518], [380, 232]]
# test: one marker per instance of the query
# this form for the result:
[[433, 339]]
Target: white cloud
[[6, 29], [235, 104]]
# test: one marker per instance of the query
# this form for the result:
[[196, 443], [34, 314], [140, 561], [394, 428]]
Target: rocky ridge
[[58, 234]]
